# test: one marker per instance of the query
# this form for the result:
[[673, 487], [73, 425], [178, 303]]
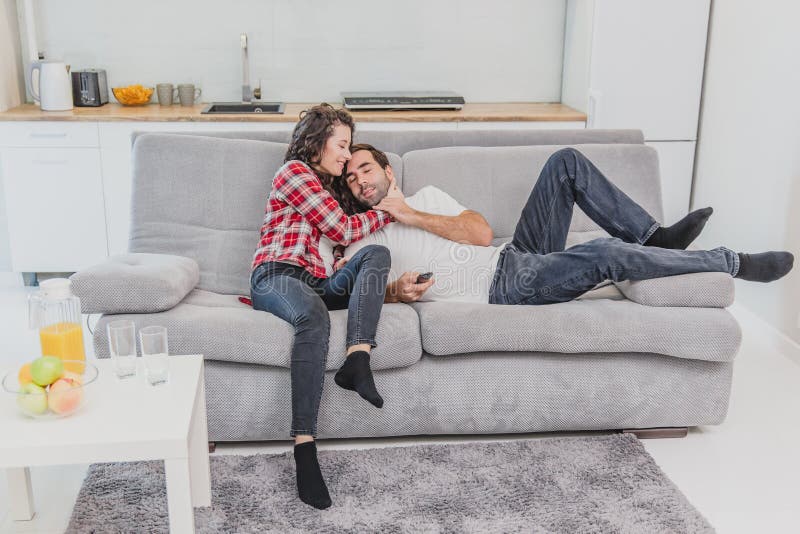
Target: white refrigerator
[[639, 64]]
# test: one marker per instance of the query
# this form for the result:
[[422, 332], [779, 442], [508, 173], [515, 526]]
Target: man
[[436, 234]]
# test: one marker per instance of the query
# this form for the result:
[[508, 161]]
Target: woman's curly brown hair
[[315, 126], [313, 129]]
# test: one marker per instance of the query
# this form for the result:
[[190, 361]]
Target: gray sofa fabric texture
[[135, 283], [491, 392], [222, 328], [641, 354], [497, 181], [400, 142], [706, 290], [593, 326]]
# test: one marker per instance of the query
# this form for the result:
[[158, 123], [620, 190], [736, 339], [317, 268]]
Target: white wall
[[748, 159], [578, 37], [11, 92], [311, 50]]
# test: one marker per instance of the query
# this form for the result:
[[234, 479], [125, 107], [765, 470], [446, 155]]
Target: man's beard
[[381, 190]]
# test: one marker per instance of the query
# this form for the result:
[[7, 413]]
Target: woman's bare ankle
[[304, 438], [365, 347]]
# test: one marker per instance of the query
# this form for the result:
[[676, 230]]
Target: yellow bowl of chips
[[133, 95]]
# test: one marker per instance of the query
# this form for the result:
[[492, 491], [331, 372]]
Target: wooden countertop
[[513, 112]]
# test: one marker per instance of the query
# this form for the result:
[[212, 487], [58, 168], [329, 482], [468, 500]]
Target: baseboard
[[774, 337]]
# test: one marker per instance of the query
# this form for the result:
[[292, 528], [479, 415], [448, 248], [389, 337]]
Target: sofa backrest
[[496, 181], [204, 197], [400, 142]]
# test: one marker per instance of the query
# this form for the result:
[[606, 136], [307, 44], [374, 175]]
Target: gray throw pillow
[[135, 283]]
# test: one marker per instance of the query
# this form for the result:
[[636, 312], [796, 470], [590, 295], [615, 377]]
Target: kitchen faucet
[[247, 94]]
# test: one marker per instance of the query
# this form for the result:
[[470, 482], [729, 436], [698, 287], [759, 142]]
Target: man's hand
[[406, 288]]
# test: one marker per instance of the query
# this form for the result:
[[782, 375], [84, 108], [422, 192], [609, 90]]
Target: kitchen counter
[[478, 112]]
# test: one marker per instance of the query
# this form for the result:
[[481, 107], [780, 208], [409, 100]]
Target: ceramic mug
[[167, 93], [188, 94]]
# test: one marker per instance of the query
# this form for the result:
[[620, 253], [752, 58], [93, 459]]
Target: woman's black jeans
[[302, 300]]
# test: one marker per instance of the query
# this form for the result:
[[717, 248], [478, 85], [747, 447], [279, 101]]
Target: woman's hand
[[394, 203], [340, 263], [398, 209], [394, 191]]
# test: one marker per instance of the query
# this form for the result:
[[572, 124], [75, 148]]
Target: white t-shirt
[[462, 273]]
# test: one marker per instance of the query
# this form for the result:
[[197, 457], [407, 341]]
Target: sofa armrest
[[696, 290], [135, 283]]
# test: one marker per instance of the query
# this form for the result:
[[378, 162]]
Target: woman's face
[[336, 152]]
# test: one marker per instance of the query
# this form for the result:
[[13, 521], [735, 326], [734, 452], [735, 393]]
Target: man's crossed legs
[[535, 268]]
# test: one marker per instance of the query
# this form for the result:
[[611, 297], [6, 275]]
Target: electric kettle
[[53, 87]]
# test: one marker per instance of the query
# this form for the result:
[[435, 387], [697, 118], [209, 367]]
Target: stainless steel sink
[[243, 107]]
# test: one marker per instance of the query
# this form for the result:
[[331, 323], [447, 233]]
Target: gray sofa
[[632, 355]]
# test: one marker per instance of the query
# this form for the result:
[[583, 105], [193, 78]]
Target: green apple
[[32, 399], [46, 370]]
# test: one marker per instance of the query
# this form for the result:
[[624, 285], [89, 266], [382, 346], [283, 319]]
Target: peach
[[64, 395], [75, 377]]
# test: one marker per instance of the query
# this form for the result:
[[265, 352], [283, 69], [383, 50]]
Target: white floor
[[744, 475]]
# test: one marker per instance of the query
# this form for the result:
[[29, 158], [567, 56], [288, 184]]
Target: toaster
[[89, 88]]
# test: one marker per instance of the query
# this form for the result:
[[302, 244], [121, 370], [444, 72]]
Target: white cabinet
[[49, 134], [639, 64], [55, 208]]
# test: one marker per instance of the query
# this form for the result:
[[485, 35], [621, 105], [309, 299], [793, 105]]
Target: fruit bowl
[[132, 95], [62, 398]]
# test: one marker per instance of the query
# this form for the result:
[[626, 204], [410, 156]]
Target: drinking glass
[[122, 345], [154, 352]]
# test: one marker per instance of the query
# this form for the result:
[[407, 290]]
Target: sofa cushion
[[583, 326], [705, 290], [497, 181], [135, 283], [222, 328]]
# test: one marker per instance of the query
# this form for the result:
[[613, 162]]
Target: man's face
[[368, 182]]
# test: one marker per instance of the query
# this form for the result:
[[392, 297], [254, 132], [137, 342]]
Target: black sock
[[764, 267], [356, 375], [310, 485], [681, 234]]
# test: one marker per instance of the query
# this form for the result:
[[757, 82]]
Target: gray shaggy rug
[[569, 484]]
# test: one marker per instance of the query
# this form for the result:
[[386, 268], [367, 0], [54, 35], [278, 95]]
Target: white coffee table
[[121, 421]]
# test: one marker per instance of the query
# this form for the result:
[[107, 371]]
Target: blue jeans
[[535, 269], [302, 300]]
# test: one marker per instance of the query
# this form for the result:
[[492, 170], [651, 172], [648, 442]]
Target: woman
[[290, 280]]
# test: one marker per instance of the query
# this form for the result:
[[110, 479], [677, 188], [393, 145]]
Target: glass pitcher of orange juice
[[56, 313]]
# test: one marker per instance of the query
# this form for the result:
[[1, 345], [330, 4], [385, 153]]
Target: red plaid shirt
[[299, 210]]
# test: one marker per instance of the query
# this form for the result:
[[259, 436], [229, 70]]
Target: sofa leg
[[657, 433], [212, 446]]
